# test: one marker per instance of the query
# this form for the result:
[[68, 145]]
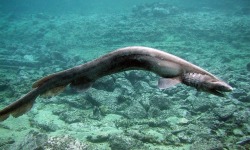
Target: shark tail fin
[[20, 106]]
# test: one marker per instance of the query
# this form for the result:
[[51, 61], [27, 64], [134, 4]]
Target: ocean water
[[125, 111]]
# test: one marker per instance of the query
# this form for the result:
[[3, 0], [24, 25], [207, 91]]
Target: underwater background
[[40, 37]]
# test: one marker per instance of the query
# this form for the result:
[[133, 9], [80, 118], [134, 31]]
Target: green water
[[38, 38]]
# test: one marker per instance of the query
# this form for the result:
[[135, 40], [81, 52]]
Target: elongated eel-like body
[[171, 68]]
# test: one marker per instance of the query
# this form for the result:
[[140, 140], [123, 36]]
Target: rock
[[158, 123], [33, 140], [135, 76], [203, 144], [144, 100], [239, 93], [101, 97], [64, 142], [74, 102], [50, 127], [156, 136], [173, 120], [106, 83], [225, 112], [154, 10], [248, 66], [184, 138], [124, 85], [98, 138], [6, 142], [147, 136], [56, 55], [46, 121], [221, 133], [243, 141], [154, 112], [3, 86], [245, 99], [246, 128], [72, 116], [195, 132], [160, 101], [36, 140], [135, 111], [122, 142], [29, 58], [201, 105], [123, 99], [238, 132], [241, 117], [183, 121], [172, 140], [142, 86], [151, 123]]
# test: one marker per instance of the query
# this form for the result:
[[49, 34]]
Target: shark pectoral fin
[[164, 83], [81, 84]]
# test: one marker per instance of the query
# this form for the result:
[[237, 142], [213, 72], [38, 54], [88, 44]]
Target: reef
[[156, 9]]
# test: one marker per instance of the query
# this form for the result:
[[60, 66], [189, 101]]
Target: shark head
[[207, 83], [216, 87]]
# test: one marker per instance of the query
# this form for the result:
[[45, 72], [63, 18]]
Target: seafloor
[[126, 111]]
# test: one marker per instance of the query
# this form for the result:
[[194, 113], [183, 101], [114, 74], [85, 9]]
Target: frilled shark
[[170, 68]]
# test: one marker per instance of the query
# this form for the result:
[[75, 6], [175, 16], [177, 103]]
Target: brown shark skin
[[129, 58]]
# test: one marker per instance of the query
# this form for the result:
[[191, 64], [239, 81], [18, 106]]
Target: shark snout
[[223, 86], [228, 88]]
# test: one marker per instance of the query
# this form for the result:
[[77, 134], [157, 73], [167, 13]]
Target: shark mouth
[[217, 93]]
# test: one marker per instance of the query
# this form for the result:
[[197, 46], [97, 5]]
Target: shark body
[[170, 68]]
